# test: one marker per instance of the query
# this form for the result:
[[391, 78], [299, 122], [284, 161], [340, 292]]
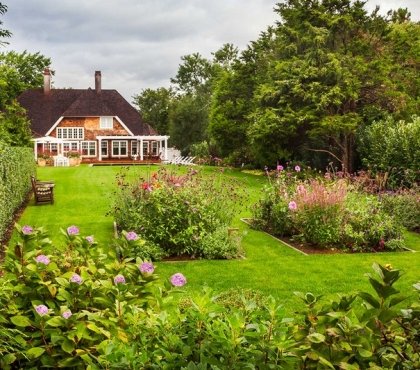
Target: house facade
[[99, 124]]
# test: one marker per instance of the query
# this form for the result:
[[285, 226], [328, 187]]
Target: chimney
[[98, 82], [47, 81]]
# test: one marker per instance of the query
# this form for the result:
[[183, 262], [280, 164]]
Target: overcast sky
[[137, 44]]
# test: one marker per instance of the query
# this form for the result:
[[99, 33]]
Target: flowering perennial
[[90, 239], [27, 230], [41, 310], [178, 279], [42, 258], [292, 205], [147, 268], [66, 314], [131, 235], [73, 230], [76, 279], [119, 279]]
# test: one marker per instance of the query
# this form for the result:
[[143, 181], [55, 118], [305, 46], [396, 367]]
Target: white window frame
[[145, 146], [73, 146], [90, 145], [106, 122], [104, 145], [71, 133], [119, 142], [155, 148], [134, 147]]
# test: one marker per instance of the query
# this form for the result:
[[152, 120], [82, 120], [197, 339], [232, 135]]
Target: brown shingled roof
[[44, 110]]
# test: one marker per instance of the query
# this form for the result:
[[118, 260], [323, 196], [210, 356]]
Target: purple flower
[[178, 279], [292, 205], [42, 258], [297, 168], [147, 268], [66, 314], [131, 235], [41, 310], [119, 279], [90, 239], [73, 230], [76, 278], [27, 230], [280, 167]]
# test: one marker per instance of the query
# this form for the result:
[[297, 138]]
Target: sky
[[138, 44]]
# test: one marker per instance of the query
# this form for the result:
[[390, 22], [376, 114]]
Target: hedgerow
[[16, 166]]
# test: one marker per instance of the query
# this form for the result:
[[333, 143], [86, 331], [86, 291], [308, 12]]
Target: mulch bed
[[308, 249]]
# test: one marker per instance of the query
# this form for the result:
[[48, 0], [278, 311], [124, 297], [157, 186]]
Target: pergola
[[46, 142]]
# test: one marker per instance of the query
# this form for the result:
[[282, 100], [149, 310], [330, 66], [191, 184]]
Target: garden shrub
[[392, 148], [182, 215], [79, 306], [326, 214], [405, 206], [16, 166]]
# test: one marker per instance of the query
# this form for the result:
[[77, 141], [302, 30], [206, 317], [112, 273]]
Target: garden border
[[245, 220]]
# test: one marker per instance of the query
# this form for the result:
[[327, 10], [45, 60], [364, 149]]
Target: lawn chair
[[43, 191]]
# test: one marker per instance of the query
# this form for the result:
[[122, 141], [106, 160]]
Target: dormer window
[[106, 123]]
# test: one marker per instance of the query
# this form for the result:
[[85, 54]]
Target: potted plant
[[43, 158], [74, 157]]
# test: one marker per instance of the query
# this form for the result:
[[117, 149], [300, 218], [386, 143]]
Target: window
[[145, 147], [134, 148], [70, 133], [155, 147], [104, 148], [119, 148], [70, 146], [89, 148], [106, 123]]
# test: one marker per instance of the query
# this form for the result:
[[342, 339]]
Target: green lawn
[[83, 195]]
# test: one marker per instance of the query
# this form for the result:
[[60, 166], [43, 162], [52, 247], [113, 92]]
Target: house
[[100, 124]]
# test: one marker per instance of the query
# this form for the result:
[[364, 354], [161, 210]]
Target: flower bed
[[177, 215]]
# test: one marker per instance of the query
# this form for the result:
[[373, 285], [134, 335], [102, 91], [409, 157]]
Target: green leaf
[[21, 321], [67, 346], [394, 301], [35, 352], [347, 366], [325, 362], [367, 297], [8, 359], [365, 353], [316, 338], [55, 321], [63, 282]]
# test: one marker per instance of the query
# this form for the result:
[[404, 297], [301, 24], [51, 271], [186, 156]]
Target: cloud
[[136, 44]]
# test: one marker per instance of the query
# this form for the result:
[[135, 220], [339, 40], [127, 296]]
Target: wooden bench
[[43, 191]]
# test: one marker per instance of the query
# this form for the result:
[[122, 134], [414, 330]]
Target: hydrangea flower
[[147, 268], [292, 205], [76, 278], [90, 239], [27, 230], [42, 310], [119, 279], [42, 258], [66, 314], [131, 235], [178, 279], [280, 167], [73, 230], [297, 168]]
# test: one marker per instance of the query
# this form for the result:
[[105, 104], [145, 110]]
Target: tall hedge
[[16, 166]]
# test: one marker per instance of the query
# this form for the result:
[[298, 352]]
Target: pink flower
[[76, 278], [42, 258], [131, 235], [66, 314], [147, 268], [27, 230], [297, 168], [73, 230], [292, 205], [42, 310], [301, 189], [119, 279], [280, 168], [178, 279], [90, 239]]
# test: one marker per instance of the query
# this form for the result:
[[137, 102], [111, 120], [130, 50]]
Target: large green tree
[[3, 32]]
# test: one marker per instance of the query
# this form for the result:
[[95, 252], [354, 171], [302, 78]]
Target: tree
[[3, 32], [154, 107], [14, 126]]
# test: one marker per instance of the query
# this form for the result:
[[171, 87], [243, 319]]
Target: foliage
[[154, 107], [3, 32], [70, 302], [16, 167], [325, 214], [69, 154], [181, 214], [14, 126], [393, 147], [405, 206]]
